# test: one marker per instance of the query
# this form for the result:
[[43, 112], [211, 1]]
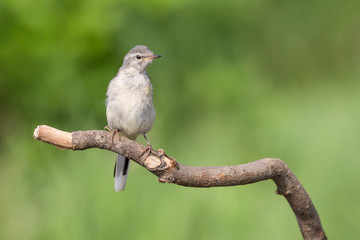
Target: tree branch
[[170, 171]]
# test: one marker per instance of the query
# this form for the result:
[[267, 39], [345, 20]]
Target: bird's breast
[[130, 107]]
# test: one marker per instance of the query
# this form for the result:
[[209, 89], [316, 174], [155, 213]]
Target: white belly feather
[[129, 105]]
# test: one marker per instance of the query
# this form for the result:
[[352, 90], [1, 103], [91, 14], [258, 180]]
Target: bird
[[129, 104]]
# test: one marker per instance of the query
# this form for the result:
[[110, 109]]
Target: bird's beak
[[153, 57]]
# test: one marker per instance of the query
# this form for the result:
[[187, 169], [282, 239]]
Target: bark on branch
[[170, 171]]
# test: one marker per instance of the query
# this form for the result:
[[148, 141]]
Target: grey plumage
[[129, 103]]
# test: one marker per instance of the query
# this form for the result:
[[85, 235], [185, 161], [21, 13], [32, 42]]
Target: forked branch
[[170, 171]]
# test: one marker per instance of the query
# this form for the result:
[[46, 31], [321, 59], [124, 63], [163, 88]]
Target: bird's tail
[[120, 172]]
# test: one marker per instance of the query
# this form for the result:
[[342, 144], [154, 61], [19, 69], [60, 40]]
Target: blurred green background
[[238, 81]]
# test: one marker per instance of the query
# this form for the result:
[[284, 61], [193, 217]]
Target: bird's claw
[[108, 128], [114, 132]]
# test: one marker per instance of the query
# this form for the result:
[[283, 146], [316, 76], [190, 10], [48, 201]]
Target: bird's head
[[139, 58]]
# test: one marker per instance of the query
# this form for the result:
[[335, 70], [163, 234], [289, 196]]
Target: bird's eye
[[138, 56]]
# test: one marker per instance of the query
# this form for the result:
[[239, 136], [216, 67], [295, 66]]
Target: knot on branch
[[160, 161], [167, 177]]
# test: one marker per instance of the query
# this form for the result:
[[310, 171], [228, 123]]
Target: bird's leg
[[147, 140], [148, 148], [114, 132]]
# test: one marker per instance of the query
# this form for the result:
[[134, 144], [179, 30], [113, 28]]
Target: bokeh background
[[238, 81]]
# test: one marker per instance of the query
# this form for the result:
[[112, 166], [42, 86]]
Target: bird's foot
[[114, 132], [148, 150]]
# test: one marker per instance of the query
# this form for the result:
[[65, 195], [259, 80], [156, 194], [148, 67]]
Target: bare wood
[[54, 136], [170, 171]]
